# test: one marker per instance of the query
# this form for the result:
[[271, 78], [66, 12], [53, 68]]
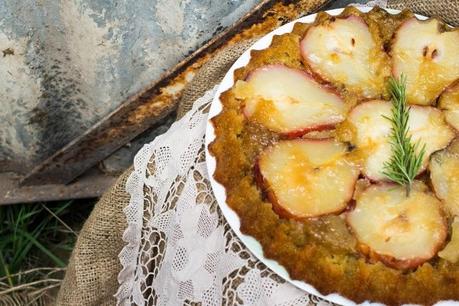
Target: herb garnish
[[405, 163]]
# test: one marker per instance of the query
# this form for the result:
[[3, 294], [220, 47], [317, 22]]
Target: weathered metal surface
[[66, 64], [257, 23], [92, 184], [139, 112]]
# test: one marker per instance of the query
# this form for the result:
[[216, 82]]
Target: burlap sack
[[91, 277], [447, 10]]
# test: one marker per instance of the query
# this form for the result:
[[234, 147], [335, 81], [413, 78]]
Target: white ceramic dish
[[219, 191]]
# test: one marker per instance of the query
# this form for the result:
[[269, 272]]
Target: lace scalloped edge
[[133, 212]]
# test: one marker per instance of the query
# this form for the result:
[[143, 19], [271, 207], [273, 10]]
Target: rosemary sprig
[[405, 162]]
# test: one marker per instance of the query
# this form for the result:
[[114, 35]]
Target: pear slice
[[449, 103], [344, 51], [289, 101], [427, 56], [306, 178], [402, 232], [371, 134], [451, 250], [444, 174]]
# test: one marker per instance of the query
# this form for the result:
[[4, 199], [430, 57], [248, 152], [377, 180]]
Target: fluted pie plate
[[285, 153]]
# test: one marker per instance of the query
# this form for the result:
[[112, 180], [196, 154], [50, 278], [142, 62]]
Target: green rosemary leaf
[[405, 162]]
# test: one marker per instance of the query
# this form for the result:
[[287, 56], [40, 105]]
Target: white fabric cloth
[[180, 250]]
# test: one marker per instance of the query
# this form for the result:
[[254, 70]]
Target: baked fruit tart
[[337, 149]]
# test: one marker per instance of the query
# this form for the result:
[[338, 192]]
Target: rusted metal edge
[[117, 128], [92, 184], [142, 110]]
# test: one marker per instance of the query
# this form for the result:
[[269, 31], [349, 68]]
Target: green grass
[[36, 241]]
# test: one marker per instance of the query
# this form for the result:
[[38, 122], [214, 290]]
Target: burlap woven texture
[[447, 10], [91, 277]]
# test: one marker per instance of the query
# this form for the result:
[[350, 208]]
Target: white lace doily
[[180, 250]]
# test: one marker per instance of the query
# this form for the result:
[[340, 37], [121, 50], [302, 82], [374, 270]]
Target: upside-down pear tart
[[303, 139]]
